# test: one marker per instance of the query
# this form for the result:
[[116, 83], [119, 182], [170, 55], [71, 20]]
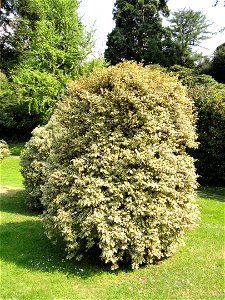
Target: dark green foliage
[[16, 148], [139, 34], [17, 19], [217, 69], [204, 65], [209, 99], [210, 103], [17, 116], [191, 77]]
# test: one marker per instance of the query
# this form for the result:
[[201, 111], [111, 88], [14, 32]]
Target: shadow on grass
[[213, 193], [16, 148], [25, 244], [13, 201]]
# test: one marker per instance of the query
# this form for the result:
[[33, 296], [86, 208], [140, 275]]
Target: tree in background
[[217, 1], [52, 48], [17, 20], [139, 34], [217, 68], [58, 48], [189, 28], [60, 44]]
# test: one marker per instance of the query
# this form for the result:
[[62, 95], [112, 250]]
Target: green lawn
[[9, 172], [10, 166], [33, 268]]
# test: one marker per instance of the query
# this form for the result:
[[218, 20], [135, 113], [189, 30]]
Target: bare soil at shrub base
[[6, 189]]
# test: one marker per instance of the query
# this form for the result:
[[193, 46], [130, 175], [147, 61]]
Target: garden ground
[[33, 268]]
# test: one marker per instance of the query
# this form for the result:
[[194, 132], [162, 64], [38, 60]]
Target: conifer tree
[[189, 28], [139, 34], [49, 45], [217, 68]]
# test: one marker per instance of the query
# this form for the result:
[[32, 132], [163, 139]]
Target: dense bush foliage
[[4, 149], [209, 99], [210, 155], [33, 162], [217, 68], [23, 108], [111, 166]]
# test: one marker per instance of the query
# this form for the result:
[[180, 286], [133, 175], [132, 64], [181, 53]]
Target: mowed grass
[[9, 172], [33, 268], [10, 167]]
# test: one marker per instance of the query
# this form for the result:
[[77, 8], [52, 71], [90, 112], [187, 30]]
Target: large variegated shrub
[[116, 174], [34, 164]]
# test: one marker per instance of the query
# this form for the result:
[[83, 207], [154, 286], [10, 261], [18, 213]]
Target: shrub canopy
[[116, 175]]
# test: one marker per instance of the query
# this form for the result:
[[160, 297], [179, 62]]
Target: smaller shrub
[[4, 149], [189, 77]]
